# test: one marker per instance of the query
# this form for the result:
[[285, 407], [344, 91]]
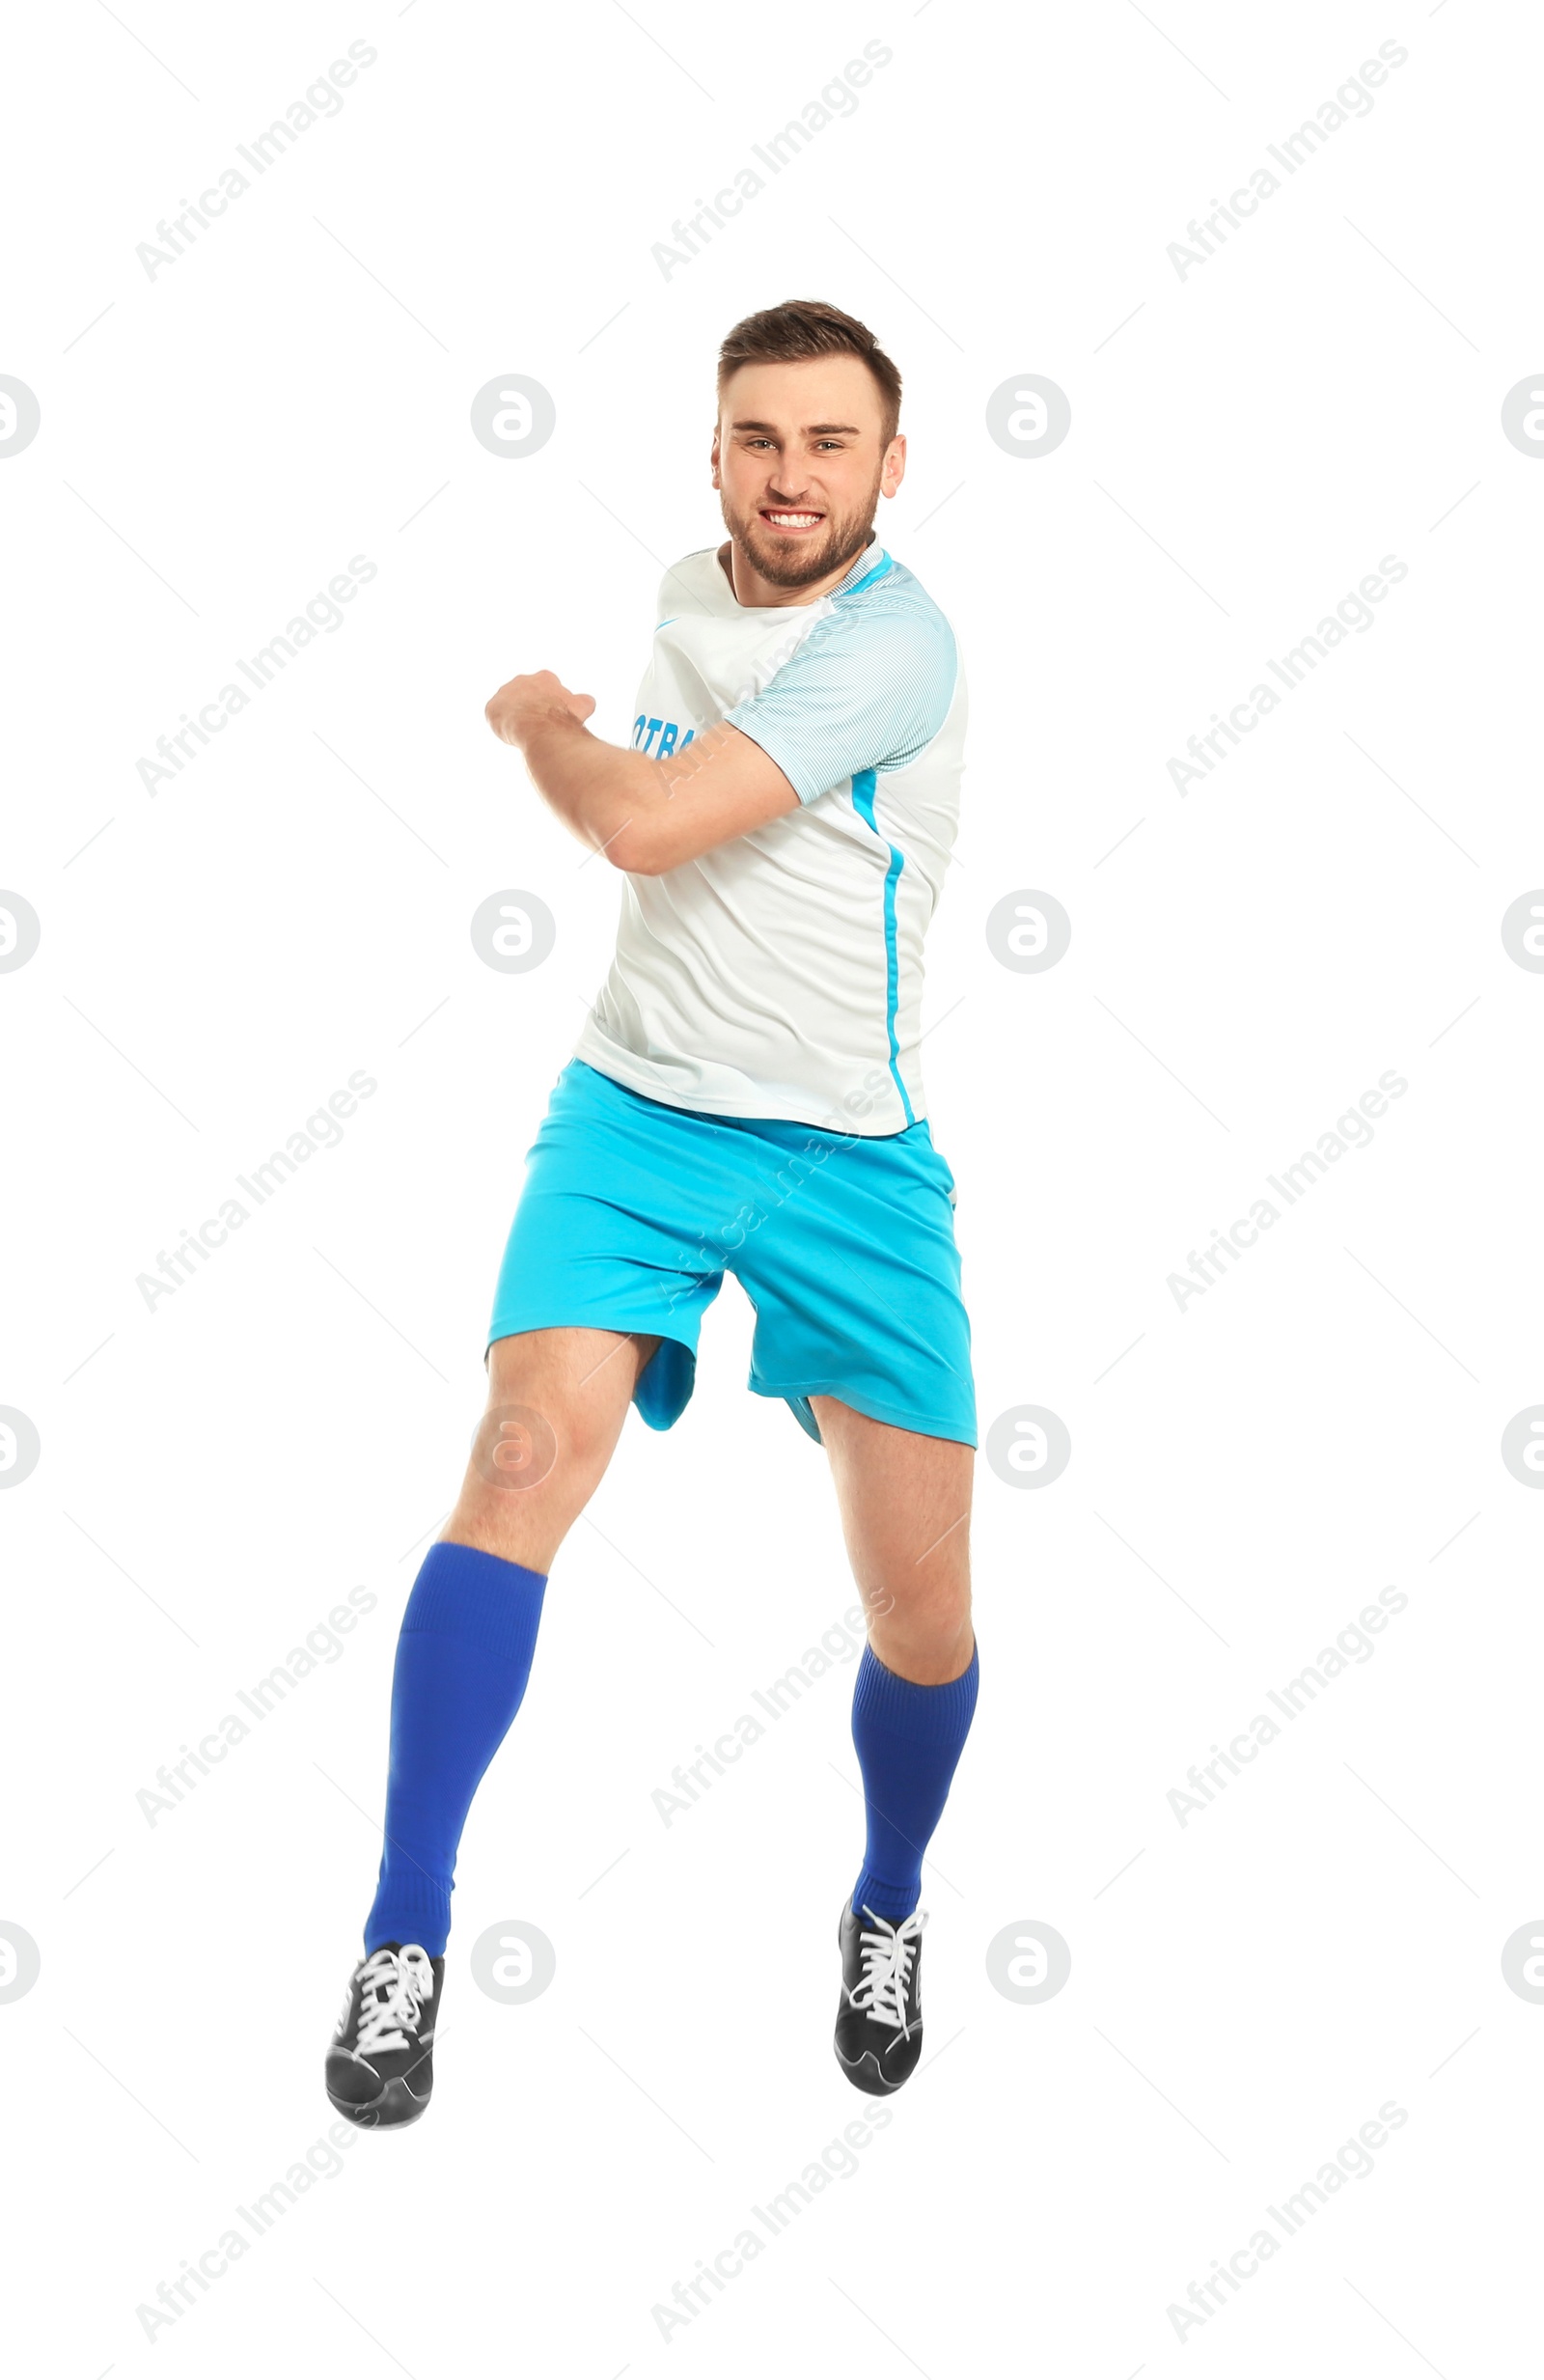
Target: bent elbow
[[637, 853], [628, 860]]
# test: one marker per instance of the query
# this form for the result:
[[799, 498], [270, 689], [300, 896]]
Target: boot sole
[[395, 2106], [866, 2076]]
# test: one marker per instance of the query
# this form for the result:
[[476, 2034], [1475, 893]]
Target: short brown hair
[[802, 327]]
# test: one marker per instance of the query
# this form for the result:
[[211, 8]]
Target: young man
[[745, 1097]]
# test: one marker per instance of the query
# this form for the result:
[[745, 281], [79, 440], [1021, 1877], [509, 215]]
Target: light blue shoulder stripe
[[867, 579]]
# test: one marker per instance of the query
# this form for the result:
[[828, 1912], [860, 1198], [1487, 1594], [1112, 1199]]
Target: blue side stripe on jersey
[[862, 801]]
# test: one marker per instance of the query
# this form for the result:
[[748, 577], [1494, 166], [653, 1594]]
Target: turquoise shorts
[[632, 1212]]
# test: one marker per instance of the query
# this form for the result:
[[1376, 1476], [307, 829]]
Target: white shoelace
[[888, 1952], [401, 1981]]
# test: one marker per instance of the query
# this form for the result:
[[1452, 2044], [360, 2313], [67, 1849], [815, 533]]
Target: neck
[[758, 592]]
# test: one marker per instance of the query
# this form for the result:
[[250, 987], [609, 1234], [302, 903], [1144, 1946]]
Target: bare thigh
[[905, 1503], [556, 1402]]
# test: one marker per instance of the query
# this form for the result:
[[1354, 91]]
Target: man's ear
[[713, 456]]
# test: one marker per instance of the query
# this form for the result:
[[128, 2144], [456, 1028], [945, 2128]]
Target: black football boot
[[879, 2022], [381, 2061]]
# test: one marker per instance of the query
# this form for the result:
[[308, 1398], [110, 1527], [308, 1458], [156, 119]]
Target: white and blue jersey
[[781, 974]]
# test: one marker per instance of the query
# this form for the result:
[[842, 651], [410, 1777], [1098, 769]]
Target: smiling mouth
[[791, 522]]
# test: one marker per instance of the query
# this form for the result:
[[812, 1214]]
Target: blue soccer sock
[[462, 1660], [908, 1740]]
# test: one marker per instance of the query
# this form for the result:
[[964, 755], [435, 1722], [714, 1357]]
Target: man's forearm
[[596, 788], [647, 815]]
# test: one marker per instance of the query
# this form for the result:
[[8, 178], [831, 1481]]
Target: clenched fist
[[526, 700]]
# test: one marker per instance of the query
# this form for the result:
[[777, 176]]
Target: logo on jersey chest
[[671, 739]]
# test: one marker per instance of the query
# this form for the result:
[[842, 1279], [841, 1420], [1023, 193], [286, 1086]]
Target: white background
[[1247, 443]]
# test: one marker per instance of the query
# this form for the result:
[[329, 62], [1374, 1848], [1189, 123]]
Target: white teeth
[[795, 520]]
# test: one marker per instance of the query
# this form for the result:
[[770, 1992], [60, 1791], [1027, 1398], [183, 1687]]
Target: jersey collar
[[872, 563]]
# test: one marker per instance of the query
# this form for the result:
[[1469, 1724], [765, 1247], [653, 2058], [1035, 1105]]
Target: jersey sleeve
[[870, 687]]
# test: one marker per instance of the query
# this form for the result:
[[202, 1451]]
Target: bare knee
[[556, 1402], [925, 1635]]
